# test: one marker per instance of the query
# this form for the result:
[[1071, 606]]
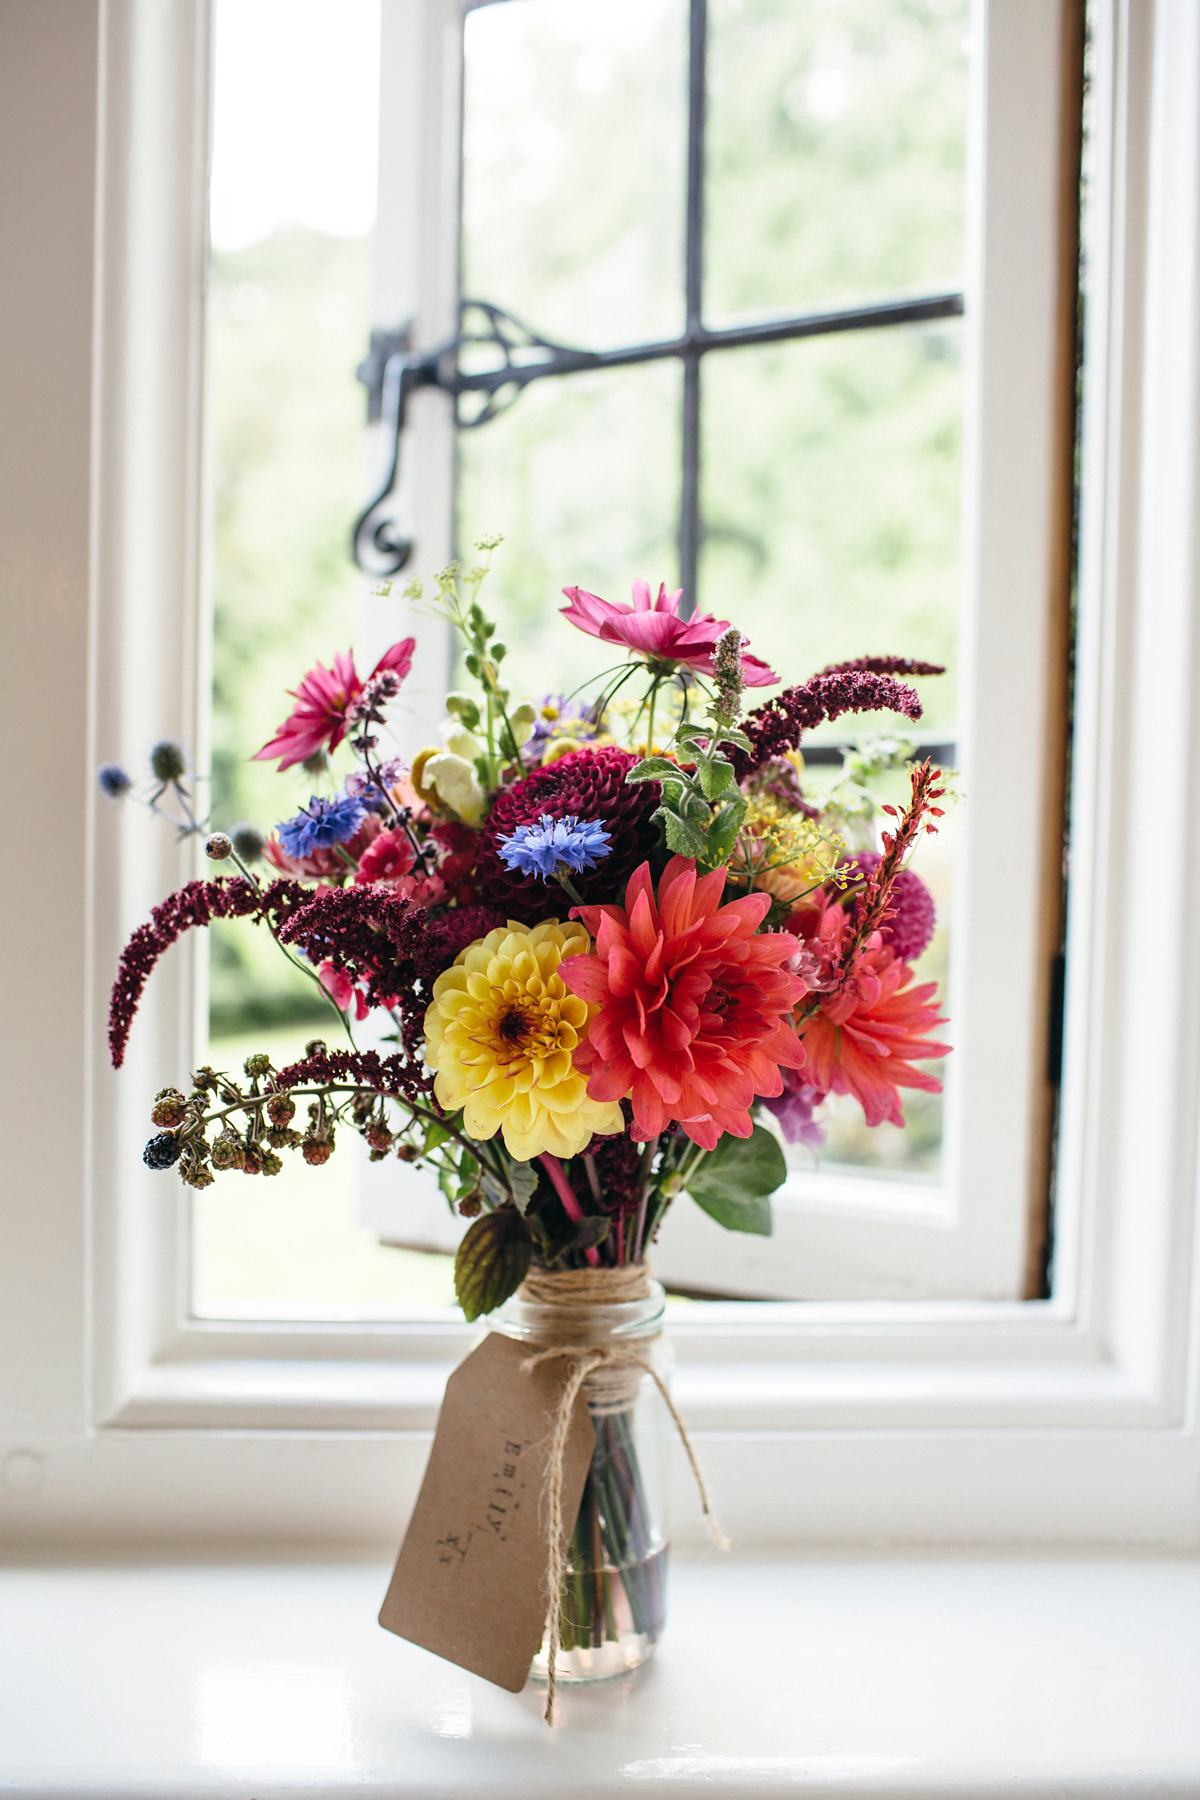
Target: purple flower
[[551, 844], [794, 1109], [321, 824]]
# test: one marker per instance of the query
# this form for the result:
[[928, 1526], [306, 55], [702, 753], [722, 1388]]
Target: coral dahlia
[[866, 1035], [502, 1032], [694, 1004], [588, 784]]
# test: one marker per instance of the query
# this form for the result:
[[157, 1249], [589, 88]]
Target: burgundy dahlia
[[589, 784], [908, 928], [443, 938]]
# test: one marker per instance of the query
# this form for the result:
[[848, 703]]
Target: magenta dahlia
[[590, 784], [908, 928]]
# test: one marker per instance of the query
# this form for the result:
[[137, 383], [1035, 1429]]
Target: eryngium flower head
[[162, 1151], [322, 824], [168, 761], [588, 784], [542, 849], [248, 842], [113, 781], [502, 1032]]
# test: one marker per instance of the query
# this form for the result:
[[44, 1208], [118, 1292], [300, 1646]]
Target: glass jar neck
[[590, 1324]]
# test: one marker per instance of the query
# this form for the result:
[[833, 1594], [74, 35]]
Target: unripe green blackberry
[[227, 1153], [258, 1064], [271, 1164], [169, 1107], [281, 1109]]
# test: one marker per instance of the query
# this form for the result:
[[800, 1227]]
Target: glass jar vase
[[612, 1602]]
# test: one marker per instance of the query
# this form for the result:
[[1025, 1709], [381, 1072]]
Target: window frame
[[1061, 1421]]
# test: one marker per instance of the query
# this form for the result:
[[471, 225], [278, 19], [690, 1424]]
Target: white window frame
[[921, 1421]]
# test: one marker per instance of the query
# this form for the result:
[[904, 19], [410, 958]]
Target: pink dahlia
[[694, 1000], [654, 629], [318, 720]]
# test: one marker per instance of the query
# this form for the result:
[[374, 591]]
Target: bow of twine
[[586, 1363]]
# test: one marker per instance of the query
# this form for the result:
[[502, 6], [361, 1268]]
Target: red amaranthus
[[694, 1004]]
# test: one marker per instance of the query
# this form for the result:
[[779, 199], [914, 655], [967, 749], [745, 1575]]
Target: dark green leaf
[[587, 1234], [716, 778], [734, 1181], [492, 1261]]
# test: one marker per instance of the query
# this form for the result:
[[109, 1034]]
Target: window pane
[[582, 476], [292, 211], [573, 145], [836, 151], [831, 500]]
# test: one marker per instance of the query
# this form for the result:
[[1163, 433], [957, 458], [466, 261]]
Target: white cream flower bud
[[454, 781], [459, 741]]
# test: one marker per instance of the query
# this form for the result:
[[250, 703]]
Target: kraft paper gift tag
[[470, 1581]]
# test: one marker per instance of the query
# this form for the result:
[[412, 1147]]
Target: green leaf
[[522, 1181], [588, 1233], [435, 1134], [734, 1181], [492, 1262], [716, 778], [682, 836], [727, 822], [653, 768]]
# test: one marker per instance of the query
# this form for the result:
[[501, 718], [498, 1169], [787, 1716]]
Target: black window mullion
[[689, 490]]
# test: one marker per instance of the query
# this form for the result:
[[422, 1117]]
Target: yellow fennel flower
[[501, 1032]]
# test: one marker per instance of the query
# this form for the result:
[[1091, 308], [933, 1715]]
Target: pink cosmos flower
[[318, 720], [654, 629], [342, 991]]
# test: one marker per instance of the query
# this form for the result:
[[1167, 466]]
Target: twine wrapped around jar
[[609, 1375]]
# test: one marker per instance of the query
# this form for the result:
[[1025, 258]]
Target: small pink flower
[[341, 990], [318, 721], [324, 865], [388, 859], [654, 629]]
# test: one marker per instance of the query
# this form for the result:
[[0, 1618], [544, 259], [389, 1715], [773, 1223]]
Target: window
[[1062, 1420], [700, 316]]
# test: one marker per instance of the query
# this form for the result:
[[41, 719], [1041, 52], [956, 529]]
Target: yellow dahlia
[[501, 1033]]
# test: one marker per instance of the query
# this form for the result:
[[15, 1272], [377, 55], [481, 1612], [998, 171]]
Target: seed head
[[248, 842], [218, 847], [113, 781], [168, 761]]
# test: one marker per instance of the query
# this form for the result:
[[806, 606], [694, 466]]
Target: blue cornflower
[[113, 781], [553, 844], [322, 824]]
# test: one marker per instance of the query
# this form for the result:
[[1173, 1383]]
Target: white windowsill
[[849, 1676]]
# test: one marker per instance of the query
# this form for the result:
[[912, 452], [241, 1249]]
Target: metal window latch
[[507, 354]]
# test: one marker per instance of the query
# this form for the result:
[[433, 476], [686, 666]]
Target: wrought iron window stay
[[392, 371]]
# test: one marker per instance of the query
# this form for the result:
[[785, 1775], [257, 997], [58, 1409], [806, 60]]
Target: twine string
[[603, 1372]]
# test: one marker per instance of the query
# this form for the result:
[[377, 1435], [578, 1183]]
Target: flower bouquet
[[601, 951]]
